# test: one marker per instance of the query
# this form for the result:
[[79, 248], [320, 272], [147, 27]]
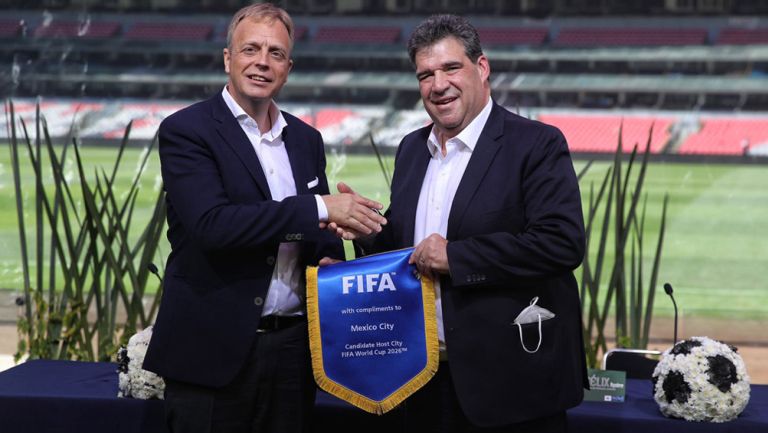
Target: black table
[[65, 396]]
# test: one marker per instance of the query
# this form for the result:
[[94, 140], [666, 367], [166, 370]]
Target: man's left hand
[[431, 256], [325, 261]]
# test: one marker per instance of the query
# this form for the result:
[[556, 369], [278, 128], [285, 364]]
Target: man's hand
[[325, 261], [431, 256], [353, 216]]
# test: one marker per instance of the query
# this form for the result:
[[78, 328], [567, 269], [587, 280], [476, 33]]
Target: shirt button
[[271, 260], [258, 301]]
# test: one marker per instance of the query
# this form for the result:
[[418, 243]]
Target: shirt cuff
[[322, 211]]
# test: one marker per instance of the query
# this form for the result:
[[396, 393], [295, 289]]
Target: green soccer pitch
[[715, 252]]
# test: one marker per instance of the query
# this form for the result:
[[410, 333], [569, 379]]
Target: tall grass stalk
[[104, 269], [620, 283]]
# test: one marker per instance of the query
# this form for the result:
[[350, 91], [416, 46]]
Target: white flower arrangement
[[701, 379], [134, 381]]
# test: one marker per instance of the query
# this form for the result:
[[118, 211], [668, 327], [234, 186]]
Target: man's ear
[[484, 67], [226, 60]]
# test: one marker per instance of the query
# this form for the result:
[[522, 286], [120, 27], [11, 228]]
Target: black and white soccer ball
[[134, 381], [701, 379]]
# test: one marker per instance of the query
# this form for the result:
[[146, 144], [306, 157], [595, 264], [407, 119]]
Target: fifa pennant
[[372, 329]]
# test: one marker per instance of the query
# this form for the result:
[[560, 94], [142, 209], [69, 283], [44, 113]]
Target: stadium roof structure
[[400, 81], [703, 53]]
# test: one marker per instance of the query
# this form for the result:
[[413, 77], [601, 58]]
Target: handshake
[[350, 215]]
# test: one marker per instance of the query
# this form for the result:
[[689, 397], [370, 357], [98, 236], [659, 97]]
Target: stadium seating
[[185, 32], [401, 123], [599, 133], [590, 133], [739, 36], [146, 119], [299, 33], [583, 37], [345, 125], [357, 35], [505, 36], [329, 117], [74, 29], [10, 28], [726, 136]]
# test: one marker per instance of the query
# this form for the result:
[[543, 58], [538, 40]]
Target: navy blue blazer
[[225, 232], [515, 231]]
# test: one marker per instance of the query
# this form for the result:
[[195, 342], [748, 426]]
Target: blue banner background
[[376, 362]]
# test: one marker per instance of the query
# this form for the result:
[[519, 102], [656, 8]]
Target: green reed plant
[[619, 280], [87, 295]]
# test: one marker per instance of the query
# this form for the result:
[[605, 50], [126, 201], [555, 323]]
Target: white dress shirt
[[439, 188], [285, 296]]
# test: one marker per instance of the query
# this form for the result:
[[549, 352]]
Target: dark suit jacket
[[225, 231], [515, 231]]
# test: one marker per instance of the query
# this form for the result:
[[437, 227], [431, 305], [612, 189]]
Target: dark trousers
[[274, 392], [435, 408]]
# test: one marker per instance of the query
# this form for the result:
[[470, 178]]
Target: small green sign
[[606, 385]]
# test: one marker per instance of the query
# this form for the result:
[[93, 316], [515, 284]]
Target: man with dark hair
[[247, 203], [492, 204]]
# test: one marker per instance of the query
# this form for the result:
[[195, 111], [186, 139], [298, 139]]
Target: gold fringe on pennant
[[390, 402]]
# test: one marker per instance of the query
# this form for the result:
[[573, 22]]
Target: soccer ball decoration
[[134, 381], [701, 379]]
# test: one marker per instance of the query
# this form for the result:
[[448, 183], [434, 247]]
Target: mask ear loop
[[520, 328]]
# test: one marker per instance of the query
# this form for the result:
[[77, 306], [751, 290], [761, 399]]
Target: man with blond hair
[[247, 203]]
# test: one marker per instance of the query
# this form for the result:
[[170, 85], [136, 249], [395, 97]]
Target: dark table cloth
[[65, 396]]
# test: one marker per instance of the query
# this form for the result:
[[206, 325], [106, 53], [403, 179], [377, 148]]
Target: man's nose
[[440, 84], [261, 59]]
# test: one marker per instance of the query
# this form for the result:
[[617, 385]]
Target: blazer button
[[271, 260], [258, 301]]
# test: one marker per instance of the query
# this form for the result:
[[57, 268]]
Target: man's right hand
[[353, 212]]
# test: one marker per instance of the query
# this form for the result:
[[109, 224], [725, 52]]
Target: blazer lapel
[[293, 149], [417, 163], [233, 135], [482, 156]]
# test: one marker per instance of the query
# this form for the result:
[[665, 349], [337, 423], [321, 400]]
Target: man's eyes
[[251, 51]]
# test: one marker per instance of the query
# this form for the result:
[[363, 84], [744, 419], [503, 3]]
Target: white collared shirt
[[439, 188], [285, 295]]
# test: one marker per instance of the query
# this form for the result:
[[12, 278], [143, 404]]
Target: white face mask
[[530, 314]]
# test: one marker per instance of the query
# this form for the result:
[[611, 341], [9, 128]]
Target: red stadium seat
[[10, 28], [74, 29], [737, 36], [357, 35], [299, 33], [584, 37], [190, 32], [601, 133], [330, 117], [490, 36], [726, 136]]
